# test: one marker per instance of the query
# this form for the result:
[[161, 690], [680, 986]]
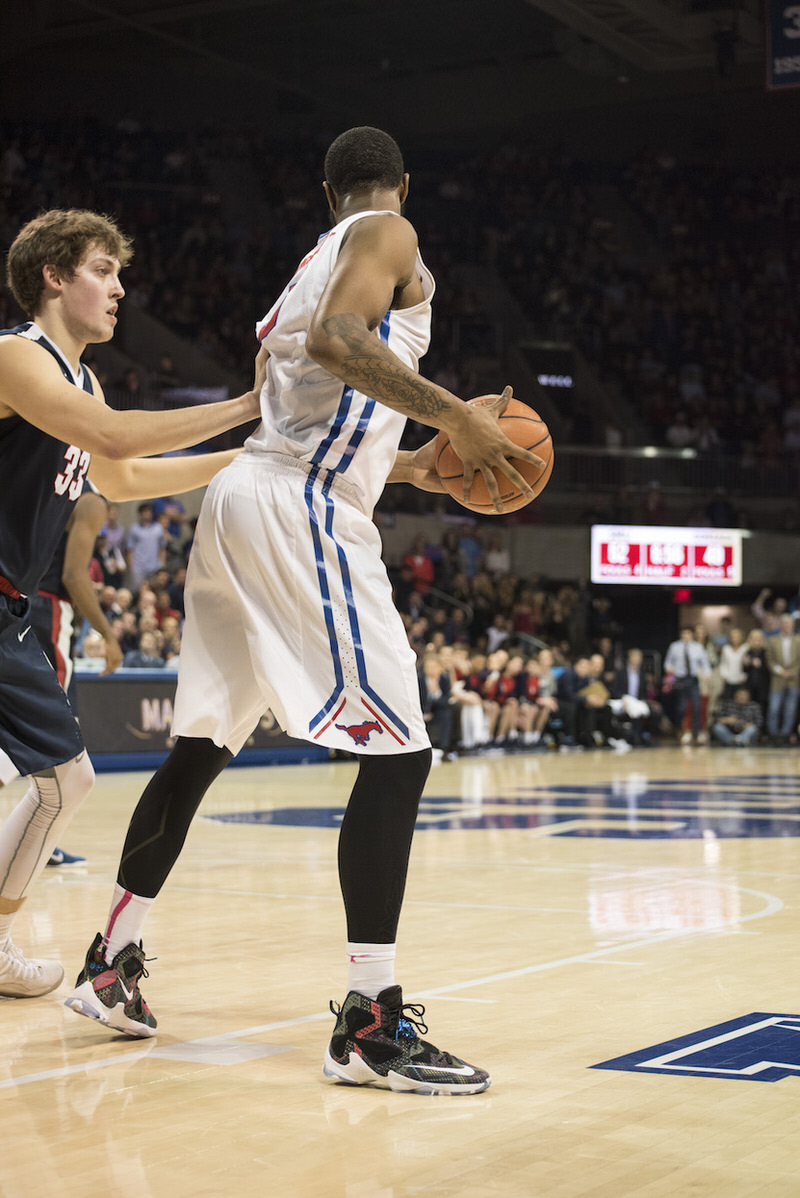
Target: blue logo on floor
[[756, 1048], [633, 807]]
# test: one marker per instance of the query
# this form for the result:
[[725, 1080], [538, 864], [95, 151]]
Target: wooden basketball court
[[638, 912]]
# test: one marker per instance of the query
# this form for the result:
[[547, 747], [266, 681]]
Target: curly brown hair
[[59, 238]]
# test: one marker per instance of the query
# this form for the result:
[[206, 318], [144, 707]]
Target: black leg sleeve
[[163, 814], [375, 843]]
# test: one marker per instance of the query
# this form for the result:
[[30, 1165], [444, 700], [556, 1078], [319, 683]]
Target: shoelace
[[409, 1024], [24, 968]]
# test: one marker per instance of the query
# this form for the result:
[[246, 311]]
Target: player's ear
[[52, 276], [330, 196], [403, 193]]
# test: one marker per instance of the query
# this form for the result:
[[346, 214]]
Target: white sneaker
[[619, 744], [24, 978], [686, 739], [702, 738]]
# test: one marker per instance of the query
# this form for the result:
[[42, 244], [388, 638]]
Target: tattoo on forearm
[[371, 366]]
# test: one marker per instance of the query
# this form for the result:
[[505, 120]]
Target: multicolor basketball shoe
[[375, 1042], [110, 993]]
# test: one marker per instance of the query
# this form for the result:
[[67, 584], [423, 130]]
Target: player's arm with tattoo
[[376, 261]]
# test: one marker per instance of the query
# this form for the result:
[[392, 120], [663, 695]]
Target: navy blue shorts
[[38, 728]]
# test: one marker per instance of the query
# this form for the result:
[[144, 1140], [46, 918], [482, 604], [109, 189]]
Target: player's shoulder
[[22, 363], [388, 227], [17, 347]]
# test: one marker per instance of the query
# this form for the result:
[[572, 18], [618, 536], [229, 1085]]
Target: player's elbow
[[320, 347], [109, 441]]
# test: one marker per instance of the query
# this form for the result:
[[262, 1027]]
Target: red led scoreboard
[[655, 556]]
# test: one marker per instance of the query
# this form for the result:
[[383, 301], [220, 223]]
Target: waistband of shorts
[[334, 480], [8, 589]]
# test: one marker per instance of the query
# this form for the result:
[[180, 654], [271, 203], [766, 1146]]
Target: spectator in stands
[[418, 636], [719, 510], [174, 557], [175, 511], [711, 683], [535, 709], [723, 633], [498, 633], [129, 391], [146, 657], [494, 689], [115, 534], [737, 720], [166, 375], [507, 694], [731, 663], [128, 632], [459, 628], [526, 613], [146, 546], [111, 562], [175, 590], [783, 664], [419, 561], [448, 564], [685, 663], [768, 618], [92, 656], [680, 434], [498, 558], [654, 505], [470, 551], [632, 702], [570, 681], [755, 667], [435, 693]]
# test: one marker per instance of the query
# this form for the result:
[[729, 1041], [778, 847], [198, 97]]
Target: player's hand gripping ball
[[524, 427]]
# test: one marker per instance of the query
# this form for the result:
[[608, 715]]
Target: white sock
[[6, 920], [126, 920], [370, 968]]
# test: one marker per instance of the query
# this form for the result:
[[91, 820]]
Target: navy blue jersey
[[41, 478], [52, 581]]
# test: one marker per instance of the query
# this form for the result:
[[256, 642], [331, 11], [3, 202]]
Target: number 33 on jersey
[[70, 479]]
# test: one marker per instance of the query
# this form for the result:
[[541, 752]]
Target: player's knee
[[398, 773], [75, 779]]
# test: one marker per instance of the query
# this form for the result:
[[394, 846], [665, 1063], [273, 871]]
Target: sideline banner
[[127, 717], [783, 44]]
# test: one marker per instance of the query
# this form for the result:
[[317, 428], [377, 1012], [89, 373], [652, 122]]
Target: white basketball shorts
[[289, 608]]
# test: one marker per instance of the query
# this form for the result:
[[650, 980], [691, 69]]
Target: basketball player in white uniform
[[288, 607]]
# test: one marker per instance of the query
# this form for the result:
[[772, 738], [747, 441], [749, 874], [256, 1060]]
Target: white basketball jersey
[[309, 414]]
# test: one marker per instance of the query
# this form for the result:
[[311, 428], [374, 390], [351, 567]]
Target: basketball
[[524, 427]]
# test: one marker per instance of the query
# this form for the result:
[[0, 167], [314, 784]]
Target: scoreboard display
[[663, 556]]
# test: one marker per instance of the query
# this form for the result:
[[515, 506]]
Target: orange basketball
[[524, 427]]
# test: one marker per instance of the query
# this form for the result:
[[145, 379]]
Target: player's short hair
[[362, 159], [59, 238]]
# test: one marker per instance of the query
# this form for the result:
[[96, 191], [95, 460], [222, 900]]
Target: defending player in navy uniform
[[63, 268], [289, 606]]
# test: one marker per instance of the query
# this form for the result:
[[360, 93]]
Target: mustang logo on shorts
[[360, 732]]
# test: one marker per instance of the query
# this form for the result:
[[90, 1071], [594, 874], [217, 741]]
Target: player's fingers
[[490, 480], [516, 479], [526, 456], [469, 475], [498, 404], [504, 400]]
